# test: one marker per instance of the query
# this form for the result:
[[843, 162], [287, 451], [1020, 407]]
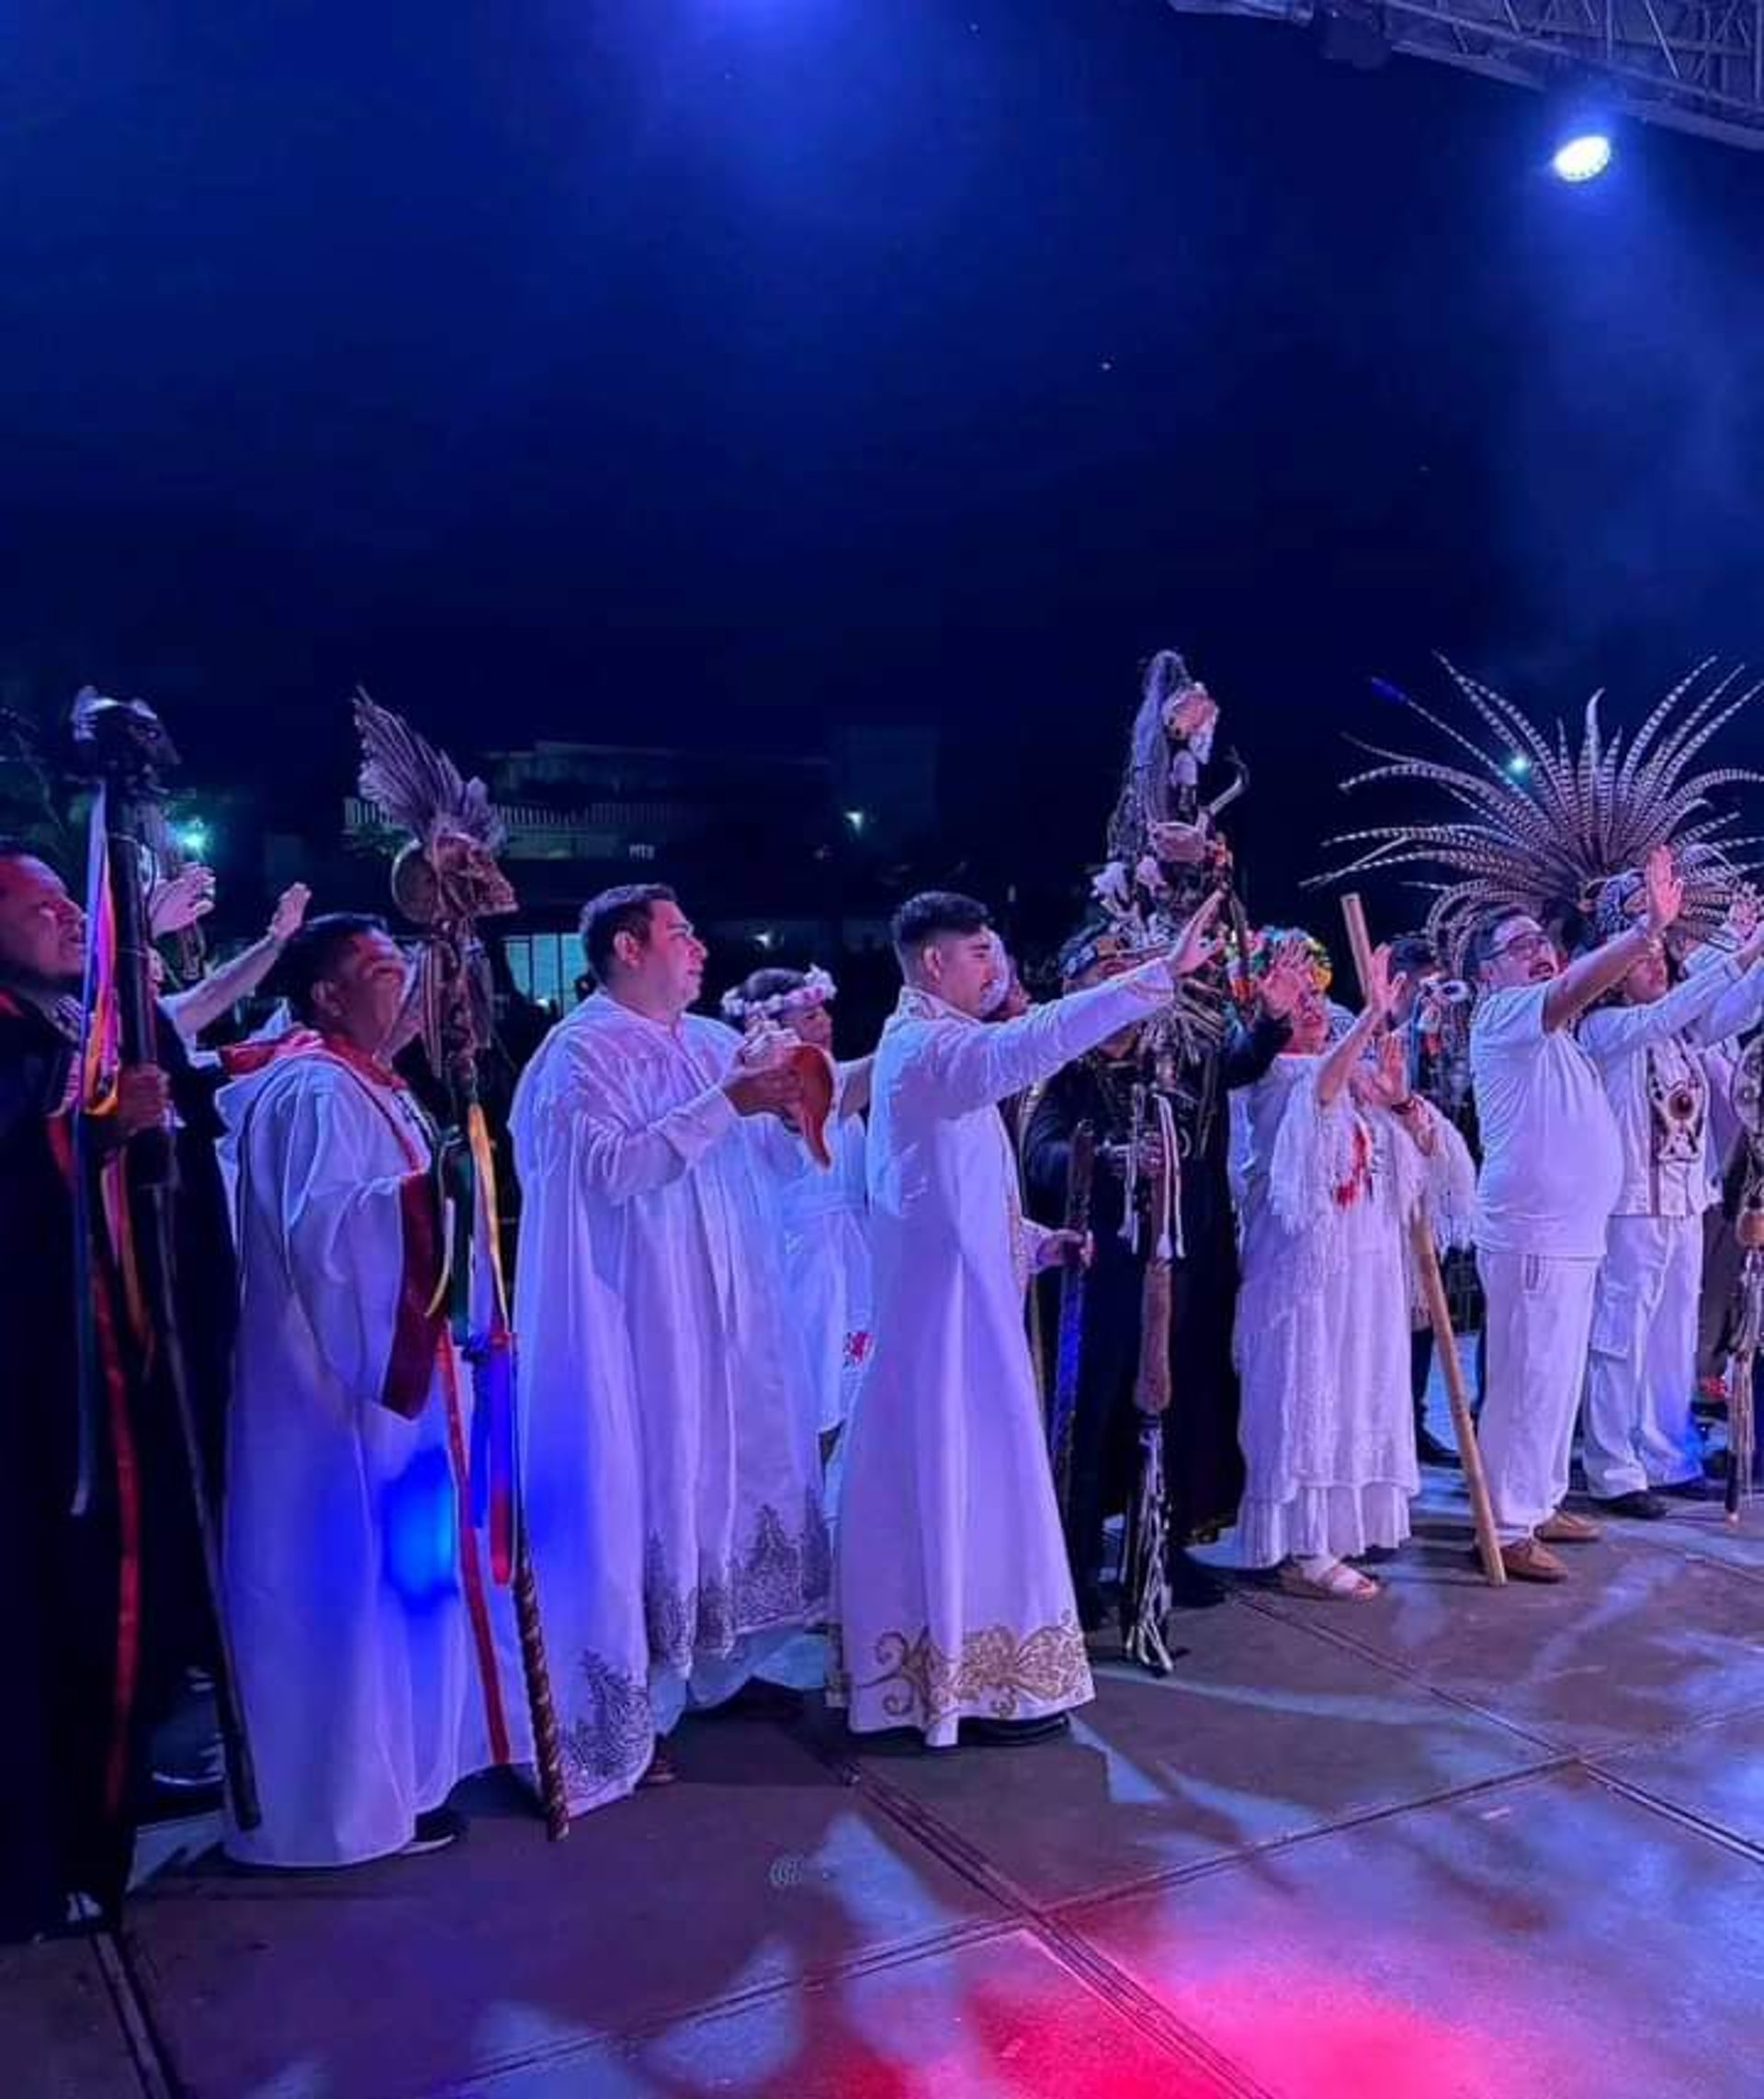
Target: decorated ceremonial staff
[[127, 1199], [1132, 1141], [443, 880]]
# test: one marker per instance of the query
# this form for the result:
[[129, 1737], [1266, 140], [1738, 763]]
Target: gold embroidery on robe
[[921, 1684]]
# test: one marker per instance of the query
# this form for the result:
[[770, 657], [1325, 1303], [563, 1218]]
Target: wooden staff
[[462, 1049], [1439, 1312]]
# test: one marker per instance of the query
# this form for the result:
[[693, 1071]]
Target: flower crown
[[817, 988]]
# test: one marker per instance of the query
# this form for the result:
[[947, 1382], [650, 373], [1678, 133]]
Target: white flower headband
[[817, 988]]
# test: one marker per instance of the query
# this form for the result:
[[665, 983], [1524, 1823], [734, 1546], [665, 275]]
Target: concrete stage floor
[[1451, 1844]]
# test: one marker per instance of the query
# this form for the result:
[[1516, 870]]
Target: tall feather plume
[[1546, 839], [416, 787]]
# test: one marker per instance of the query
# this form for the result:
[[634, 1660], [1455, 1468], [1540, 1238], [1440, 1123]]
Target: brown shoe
[[1566, 1529], [1530, 1562]]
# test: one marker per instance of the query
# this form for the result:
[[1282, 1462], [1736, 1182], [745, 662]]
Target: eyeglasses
[[1526, 946]]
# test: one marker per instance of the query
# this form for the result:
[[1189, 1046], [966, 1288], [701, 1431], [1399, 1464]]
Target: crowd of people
[[893, 1377]]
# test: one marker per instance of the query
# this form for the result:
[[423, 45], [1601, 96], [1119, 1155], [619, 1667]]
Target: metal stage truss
[[1697, 65]]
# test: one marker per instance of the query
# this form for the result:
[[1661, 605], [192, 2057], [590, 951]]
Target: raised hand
[[1194, 947], [176, 905], [1664, 888], [1382, 1080], [1383, 989], [289, 914], [1286, 979]]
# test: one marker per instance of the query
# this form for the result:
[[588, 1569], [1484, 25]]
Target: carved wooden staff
[[494, 1359], [1439, 1312], [443, 880]]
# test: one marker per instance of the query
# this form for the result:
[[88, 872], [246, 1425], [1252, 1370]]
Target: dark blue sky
[[691, 369]]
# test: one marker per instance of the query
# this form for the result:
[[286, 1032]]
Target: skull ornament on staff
[[443, 880]]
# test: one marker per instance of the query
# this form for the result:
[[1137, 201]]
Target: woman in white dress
[[1342, 1155], [824, 1213]]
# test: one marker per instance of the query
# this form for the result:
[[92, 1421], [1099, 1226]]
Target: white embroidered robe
[[1323, 1324], [671, 1470], [376, 1660], [952, 1595]]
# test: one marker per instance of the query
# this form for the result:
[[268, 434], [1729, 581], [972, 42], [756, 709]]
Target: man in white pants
[[1552, 1170], [1652, 1049]]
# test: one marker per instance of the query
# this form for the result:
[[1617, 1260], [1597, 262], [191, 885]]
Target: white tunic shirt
[[1663, 1047], [672, 1475], [1552, 1161]]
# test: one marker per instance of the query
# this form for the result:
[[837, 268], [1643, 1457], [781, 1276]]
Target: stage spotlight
[[1583, 155], [1518, 765]]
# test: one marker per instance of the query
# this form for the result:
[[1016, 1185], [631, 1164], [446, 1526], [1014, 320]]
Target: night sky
[[700, 370]]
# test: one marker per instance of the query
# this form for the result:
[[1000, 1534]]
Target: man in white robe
[[953, 1599], [1552, 1173], [671, 1467], [365, 1622]]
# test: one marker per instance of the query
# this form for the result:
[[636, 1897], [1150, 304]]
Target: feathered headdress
[[1554, 833]]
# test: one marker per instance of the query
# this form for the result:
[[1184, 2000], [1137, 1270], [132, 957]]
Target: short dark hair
[[1479, 949], [932, 914], [1412, 954], [314, 953], [625, 910]]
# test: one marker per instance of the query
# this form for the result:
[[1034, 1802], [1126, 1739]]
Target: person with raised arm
[[1344, 1155], [1651, 1041], [1551, 1174], [953, 1609]]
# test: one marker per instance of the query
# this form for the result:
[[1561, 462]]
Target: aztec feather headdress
[[1559, 833]]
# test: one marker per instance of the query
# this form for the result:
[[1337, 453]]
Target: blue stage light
[[421, 1513], [1582, 156]]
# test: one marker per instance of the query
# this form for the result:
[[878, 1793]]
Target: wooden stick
[[1439, 1312]]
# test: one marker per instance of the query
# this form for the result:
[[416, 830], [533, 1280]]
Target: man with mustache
[[1552, 1173]]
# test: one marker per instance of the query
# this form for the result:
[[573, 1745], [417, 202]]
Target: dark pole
[[124, 747]]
